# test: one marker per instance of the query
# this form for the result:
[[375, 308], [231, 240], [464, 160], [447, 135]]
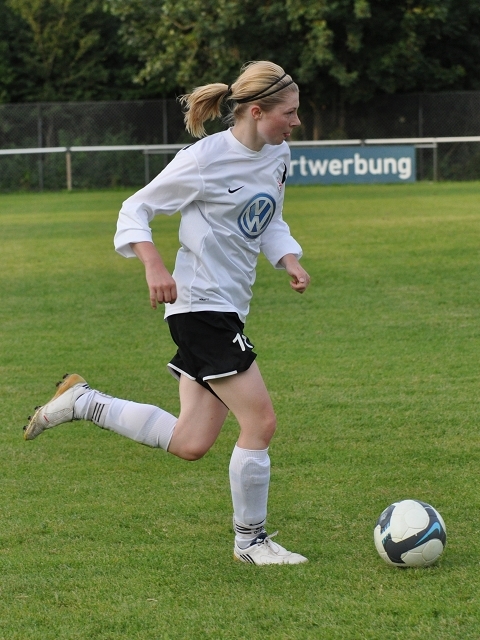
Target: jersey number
[[242, 341]]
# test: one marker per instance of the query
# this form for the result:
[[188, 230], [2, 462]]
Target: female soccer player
[[229, 188]]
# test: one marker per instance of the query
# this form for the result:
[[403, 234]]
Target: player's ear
[[256, 112]]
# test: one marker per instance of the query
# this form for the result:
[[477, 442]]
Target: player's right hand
[[162, 287]]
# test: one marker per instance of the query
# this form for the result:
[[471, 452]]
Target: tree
[[340, 51], [13, 41], [69, 51], [355, 49], [185, 43]]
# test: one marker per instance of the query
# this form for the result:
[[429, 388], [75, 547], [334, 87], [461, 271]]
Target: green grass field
[[375, 376]]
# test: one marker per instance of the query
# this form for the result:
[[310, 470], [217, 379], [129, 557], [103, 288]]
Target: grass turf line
[[374, 376]]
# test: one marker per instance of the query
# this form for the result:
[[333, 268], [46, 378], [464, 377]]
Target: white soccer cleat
[[264, 551], [59, 409]]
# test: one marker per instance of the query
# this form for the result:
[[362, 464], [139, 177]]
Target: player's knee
[[268, 426], [191, 452]]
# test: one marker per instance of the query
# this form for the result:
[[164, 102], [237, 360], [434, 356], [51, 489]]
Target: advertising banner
[[343, 165]]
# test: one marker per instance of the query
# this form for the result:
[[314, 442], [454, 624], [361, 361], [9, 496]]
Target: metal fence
[[80, 124], [160, 122]]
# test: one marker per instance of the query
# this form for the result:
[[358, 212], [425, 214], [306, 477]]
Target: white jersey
[[230, 199]]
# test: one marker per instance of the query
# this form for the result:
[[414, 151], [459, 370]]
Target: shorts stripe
[[178, 370], [220, 375]]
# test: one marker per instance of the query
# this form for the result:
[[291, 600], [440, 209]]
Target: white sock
[[143, 423], [249, 482]]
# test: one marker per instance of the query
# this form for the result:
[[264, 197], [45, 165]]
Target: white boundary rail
[[149, 149]]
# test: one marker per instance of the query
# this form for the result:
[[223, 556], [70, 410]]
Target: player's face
[[276, 125]]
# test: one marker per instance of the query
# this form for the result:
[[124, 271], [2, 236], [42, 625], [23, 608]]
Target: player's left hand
[[300, 278]]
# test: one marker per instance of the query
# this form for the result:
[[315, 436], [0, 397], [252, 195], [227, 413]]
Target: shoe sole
[[246, 559], [239, 559], [69, 381]]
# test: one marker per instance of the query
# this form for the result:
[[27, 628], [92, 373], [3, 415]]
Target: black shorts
[[211, 345]]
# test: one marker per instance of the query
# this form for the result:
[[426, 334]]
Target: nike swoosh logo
[[237, 189], [433, 528]]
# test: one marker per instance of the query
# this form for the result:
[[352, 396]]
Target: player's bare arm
[[162, 287], [300, 278]]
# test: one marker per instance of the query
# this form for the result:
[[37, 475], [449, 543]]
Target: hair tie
[[265, 92], [229, 91]]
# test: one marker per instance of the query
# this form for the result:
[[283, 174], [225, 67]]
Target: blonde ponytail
[[204, 103]]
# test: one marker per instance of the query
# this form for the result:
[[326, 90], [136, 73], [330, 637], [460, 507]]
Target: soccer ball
[[410, 533]]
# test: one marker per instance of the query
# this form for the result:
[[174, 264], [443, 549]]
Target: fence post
[[165, 121], [147, 166], [40, 144], [435, 161], [68, 160], [420, 134]]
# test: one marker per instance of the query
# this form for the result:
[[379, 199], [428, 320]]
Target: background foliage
[[340, 51]]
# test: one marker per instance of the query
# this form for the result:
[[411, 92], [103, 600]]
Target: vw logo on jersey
[[257, 215]]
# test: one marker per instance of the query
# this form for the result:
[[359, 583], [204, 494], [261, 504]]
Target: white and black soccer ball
[[410, 533]]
